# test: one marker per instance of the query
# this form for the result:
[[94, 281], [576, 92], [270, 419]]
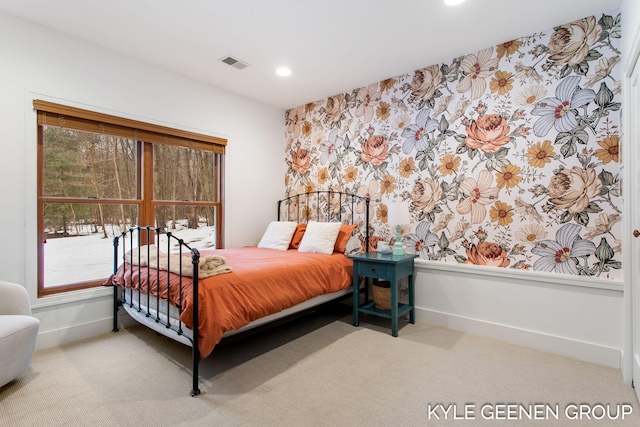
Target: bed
[[197, 297]]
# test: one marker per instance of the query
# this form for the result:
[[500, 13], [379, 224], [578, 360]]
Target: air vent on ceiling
[[234, 62]]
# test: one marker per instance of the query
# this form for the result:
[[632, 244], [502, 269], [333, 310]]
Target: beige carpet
[[316, 371]]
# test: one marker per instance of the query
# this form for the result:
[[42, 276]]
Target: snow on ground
[[90, 257]]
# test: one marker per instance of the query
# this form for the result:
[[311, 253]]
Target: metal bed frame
[[145, 235]]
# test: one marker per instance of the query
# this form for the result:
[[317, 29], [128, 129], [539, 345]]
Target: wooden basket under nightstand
[[382, 295]]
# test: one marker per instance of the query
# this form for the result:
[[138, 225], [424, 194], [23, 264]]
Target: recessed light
[[453, 2], [283, 71]]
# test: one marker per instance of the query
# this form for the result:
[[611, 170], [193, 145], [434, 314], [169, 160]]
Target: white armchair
[[18, 332]]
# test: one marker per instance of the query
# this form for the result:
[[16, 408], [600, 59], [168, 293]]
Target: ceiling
[[331, 46]]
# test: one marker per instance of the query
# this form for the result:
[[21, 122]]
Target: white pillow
[[278, 235], [320, 237]]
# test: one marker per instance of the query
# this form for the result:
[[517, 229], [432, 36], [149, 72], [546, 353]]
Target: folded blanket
[[212, 265], [218, 270], [142, 256], [209, 265], [211, 262]]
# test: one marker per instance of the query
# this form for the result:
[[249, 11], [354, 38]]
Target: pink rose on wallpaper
[[425, 194], [488, 133], [487, 253], [573, 188], [335, 106], [301, 160], [424, 82], [570, 43], [374, 150]]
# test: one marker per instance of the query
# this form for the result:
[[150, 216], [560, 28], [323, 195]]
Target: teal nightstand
[[383, 267]]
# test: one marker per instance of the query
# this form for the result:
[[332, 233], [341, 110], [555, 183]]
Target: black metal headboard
[[326, 206]]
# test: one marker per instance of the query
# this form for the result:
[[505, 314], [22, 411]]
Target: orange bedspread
[[263, 282]]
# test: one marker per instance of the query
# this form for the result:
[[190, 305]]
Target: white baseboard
[[57, 337], [588, 352], [635, 368]]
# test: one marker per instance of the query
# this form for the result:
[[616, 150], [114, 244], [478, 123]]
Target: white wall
[[630, 10], [577, 317], [40, 63]]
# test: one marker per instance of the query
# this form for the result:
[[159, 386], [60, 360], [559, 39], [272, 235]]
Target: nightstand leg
[[365, 281], [356, 299], [412, 301], [394, 308]]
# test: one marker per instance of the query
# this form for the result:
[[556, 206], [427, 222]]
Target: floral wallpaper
[[506, 157]]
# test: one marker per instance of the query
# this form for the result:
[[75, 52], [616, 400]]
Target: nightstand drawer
[[375, 270]]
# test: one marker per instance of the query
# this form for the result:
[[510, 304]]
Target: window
[[98, 175]]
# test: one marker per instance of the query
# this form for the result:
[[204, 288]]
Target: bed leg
[[196, 362], [115, 309], [195, 259], [115, 288]]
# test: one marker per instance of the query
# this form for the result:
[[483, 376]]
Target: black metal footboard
[[136, 242]]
